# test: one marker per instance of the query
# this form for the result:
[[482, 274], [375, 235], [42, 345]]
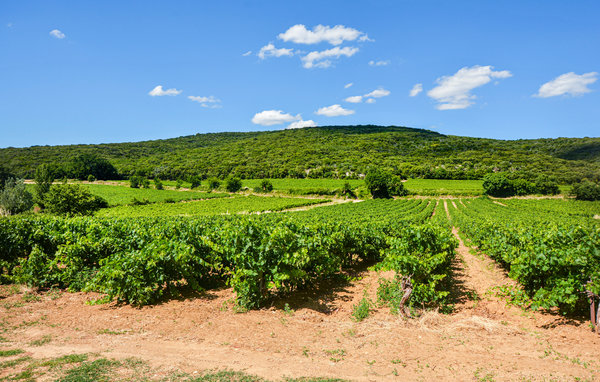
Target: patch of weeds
[[97, 370], [10, 353], [399, 362], [287, 310], [54, 293], [98, 301], [226, 376], [371, 363], [362, 309], [305, 351], [314, 380], [336, 355], [482, 376], [349, 333], [64, 360], [30, 297], [111, 332], [10, 305], [42, 341], [14, 362], [512, 295], [3, 339]]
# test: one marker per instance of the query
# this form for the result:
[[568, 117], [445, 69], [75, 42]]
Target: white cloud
[[568, 83], [379, 63], [158, 91], [348, 85], [319, 59], [269, 50], [56, 33], [301, 124], [273, 117], [247, 53], [378, 93], [9, 25], [370, 100], [453, 92], [209, 102], [354, 99], [334, 35], [333, 111], [418, 88]]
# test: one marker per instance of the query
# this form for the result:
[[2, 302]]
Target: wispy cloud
[[209, 102], [418, 88], [320, 59], [454, 92], [568, 84], [380, 63], [57, 34], [247, 53], [354, 99], [301, 124], [269, 50], [348, 85], [159, 92], [336, 35], [274, 117], [333, 111], [377, 93]]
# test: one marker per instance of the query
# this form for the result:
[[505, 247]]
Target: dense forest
[[326, 152]]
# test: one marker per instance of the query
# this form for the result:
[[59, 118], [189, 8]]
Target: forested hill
[[329, 151]]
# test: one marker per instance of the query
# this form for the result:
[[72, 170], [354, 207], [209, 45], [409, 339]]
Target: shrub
[[233, 184], [84, 165], [43, 181], [4, 176], [72, 199], [14, 198], [158, 184], [586, 190], [265, 186], [546, 186], [145, 183], [91, 178], [497, 184], [178, 184], [348, 191], [195, 181], [382, 184], [213, 183]]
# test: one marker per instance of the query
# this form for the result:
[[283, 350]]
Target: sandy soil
[[482, 338]]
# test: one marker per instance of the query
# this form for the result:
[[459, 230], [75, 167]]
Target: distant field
[[234, 205], [444, 187], [119, 195]]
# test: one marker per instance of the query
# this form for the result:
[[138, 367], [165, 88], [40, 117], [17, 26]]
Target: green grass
[[305, 186], [10, 353], [235, 205], [444, 187], [120, 195]]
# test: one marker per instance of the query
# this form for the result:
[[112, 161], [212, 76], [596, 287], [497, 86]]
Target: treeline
[[323, 152]]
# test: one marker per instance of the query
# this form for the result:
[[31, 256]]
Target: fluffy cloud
[[333, 111], [379, 63], [354, 99], [56, 33], [418, 88], [568, 83], [454, 92], [273, 117], [334, 35], [348, 85], [320, 59], [158, 91], [377, 93], [269, 50], [209, 102], [301, 124]]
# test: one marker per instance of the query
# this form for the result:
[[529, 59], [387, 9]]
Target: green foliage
[[15, 198], [586, 190], [348, 191], [361, 310], [71, 199], [378, 183], [213, 183], [84, 165], [120, 195], [195, 181], [178, 184], [158, 184], [233, 184], [145, 183], [91, 178], [497, 184], [135, 181], [5, 174], [265, 186], [334, 152], [501, 185], [44, 176]]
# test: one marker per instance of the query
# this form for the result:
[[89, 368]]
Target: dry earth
[[483, 339]]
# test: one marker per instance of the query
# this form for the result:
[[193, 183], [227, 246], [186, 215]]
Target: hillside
[[329, 151]]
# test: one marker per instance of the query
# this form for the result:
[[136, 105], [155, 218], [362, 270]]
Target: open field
[[185, 290]]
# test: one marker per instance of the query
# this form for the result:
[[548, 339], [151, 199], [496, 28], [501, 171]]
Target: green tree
[[84, 165], [72, 199], [586, 190], [497, 184], [378, 183], [265, 186], [135, 181], [44, 176], [213, 183], [15, 198], [158, 184], [195, 181], [4, 176], [233, 184]]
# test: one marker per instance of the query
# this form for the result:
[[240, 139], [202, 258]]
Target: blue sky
[[114, 71]]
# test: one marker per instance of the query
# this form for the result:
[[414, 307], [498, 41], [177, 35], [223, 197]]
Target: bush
[[91, 178], [586, 190], [84, 165], [546, 186], [135, 181], [233, 184], [14, 198], [178, 184], [72, 199], [382, 184], [145, 183], [213, 183], [195, 181], [4, 176], [43, 181], [348, 191], [265, 186], [158, 184], [497, 184]]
